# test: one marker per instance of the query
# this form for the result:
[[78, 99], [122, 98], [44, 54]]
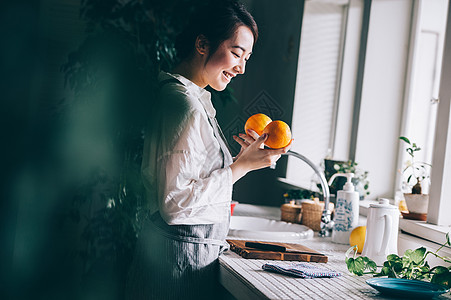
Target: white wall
[[383, 93]]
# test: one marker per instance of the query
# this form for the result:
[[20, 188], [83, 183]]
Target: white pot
[[417, 203], [381, 231]]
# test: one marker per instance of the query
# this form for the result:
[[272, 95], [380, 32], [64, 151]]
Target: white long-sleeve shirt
[[186, 164]]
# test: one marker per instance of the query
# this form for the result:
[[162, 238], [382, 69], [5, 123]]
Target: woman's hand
[[245, 140], [253, 156]]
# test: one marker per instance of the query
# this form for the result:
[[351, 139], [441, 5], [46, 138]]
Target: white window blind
[[316, 87]]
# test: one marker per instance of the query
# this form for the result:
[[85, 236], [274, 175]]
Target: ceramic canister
[[381, 231]]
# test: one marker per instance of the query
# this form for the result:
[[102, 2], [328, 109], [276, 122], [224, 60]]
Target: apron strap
[[155, 218]]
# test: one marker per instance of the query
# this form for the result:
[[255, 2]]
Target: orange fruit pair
[[279, 133]]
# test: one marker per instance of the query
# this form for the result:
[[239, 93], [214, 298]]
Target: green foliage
[[412, 265], [360, 179], [301, 194]]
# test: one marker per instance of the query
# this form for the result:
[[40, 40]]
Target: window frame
[[440, 196]]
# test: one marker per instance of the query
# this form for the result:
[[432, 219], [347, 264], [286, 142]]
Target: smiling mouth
[[228, 75]]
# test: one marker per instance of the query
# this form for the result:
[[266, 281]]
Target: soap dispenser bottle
[[346, 210]]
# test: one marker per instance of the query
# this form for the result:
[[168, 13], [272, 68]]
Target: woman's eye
[[236, 55]]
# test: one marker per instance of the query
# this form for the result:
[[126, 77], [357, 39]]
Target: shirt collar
[[203, 95]]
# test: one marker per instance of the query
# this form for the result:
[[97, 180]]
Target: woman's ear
[[202, 45]]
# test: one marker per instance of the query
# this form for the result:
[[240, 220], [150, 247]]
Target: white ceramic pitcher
[[381, 231]]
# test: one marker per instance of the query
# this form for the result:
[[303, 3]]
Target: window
[[325, 84], [440, 195], [401, 75]]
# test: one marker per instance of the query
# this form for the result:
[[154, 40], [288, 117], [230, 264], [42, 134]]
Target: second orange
[[279, 134]]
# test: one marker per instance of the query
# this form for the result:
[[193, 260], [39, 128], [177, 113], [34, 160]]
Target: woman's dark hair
[[217, 20]]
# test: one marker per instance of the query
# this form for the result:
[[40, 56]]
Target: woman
[[187, 168]]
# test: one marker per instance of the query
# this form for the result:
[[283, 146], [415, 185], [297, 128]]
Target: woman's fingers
[[260, 140], [252, 134], [281, 150], [247, 138], [253, 154], [243, 144], [277, 151]]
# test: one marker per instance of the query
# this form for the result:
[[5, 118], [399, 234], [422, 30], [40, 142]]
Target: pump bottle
[[346, 210]]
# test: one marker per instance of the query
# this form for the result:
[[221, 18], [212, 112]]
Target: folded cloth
[[303, 270]]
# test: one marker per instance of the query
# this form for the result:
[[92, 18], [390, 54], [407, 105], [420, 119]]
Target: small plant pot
[[417, 203]]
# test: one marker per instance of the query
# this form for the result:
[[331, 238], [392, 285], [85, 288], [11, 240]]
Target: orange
[[257, 123], [357, 238], [279, 134]]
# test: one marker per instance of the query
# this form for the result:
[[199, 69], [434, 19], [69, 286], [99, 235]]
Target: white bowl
[[255, 228]]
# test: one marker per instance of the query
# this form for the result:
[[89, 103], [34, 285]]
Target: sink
[[262, 229]]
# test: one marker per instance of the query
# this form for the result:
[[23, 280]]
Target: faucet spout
[[326, 224]]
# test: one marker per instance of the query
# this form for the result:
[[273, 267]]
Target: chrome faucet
[[326, 223]]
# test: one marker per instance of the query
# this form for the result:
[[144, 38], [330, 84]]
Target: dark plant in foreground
[[413, 265]]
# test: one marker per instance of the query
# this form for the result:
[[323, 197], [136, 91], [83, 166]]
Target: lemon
[[402, 205], [357, 237]]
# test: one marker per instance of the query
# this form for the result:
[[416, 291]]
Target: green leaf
[[418, 255], [425, 269], [393, 257], [360, 265], [442, 278], [397, 267], [372, 266], [406, 261], [440, 270], [385, 271], [404, 139], [355, 266]]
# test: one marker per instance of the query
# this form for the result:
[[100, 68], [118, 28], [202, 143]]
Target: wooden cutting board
[[239, 247]]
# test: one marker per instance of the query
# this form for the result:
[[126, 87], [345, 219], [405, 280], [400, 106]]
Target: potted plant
[[412, 266], [417, 173]]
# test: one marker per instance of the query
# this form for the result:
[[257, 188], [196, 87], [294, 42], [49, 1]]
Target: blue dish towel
[[302, 270]]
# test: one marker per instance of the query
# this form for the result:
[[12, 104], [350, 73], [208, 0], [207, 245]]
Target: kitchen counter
[[245, 278]]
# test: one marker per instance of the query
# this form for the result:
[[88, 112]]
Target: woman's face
[[229, 59]]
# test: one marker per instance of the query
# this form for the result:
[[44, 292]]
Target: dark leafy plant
[[300, 194], [113, 79], [416, 171], [413, 265]]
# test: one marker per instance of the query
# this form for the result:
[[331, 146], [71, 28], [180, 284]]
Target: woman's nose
[[241, 67]]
